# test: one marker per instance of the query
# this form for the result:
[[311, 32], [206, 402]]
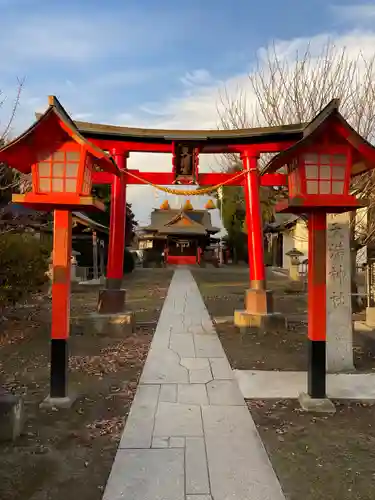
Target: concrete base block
[[316, 405], [75, 286], [246, 320], [113, 325], [370, 317], [111, 301], [63, 403], [11, 416], [259, 301], [295, 287]]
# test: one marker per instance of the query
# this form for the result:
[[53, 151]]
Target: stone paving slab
[[258, 384], [224, 392], [189, 435], [168, 393], [221, 369], [147, 475], [199, 497], [208, 347], [196, 467], [175, 419], [140, 423], [195, 394], [238, 464]]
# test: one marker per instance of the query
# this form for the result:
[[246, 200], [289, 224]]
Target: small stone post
[[73, 268], [370, 281], [339, 305], [95, 255], [101, 258], [11, 416], [296, 284]]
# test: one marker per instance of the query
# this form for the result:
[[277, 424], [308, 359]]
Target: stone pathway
[[262, 384], [189, 435]]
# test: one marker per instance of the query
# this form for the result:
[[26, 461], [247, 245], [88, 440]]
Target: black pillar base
[[316, 375], [111, 301], [59, 368]]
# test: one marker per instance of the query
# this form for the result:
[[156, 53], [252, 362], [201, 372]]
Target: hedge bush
[[23, 266], [129, 263]]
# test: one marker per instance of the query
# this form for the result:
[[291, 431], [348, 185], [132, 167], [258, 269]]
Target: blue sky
[[154, 63]]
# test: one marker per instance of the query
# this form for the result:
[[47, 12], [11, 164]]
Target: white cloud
[[197, 77], [194, 108], [198, 107]]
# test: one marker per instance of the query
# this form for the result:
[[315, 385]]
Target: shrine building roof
[[177, 221]]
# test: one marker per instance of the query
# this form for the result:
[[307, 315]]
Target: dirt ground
[[319, 458], [315, 458], [66, 451], [223, 291]]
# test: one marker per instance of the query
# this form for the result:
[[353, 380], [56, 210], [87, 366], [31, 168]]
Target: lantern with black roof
[[61, 162], [320, 167]]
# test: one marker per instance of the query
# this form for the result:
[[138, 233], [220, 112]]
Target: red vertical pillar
[[60, 326], [116, 245], [112, 298], [258, 312], [254, 222], [317, 305]]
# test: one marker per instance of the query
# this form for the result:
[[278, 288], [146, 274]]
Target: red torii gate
[[248, 143], [66, 157]]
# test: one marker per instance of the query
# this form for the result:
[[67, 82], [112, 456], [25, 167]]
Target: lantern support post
[[112, 298], [258, 311], [317, 240], [60, 324], [316, 397]]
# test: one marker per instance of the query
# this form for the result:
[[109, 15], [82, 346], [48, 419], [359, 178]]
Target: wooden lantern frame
[[328, 135], [55, 141], [66, 156]]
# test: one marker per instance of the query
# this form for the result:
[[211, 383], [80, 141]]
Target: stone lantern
[[294, 274]]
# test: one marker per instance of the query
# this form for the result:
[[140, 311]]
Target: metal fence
[[87, 273]]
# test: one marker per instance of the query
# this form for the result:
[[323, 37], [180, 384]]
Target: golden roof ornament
[[165, 205], [210, 205], [188, 205]]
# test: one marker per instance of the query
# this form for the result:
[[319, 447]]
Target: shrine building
[[182, 235]]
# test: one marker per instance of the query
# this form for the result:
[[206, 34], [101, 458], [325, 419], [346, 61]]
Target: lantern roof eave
[[53, 201], [105, 161], [326, 203], [328, 114]]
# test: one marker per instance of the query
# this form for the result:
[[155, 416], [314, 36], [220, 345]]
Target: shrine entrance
[[182, 251], [315, 160], [186, 147]]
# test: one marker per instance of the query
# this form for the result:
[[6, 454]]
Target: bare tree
[[293, 90], [10, 179]]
